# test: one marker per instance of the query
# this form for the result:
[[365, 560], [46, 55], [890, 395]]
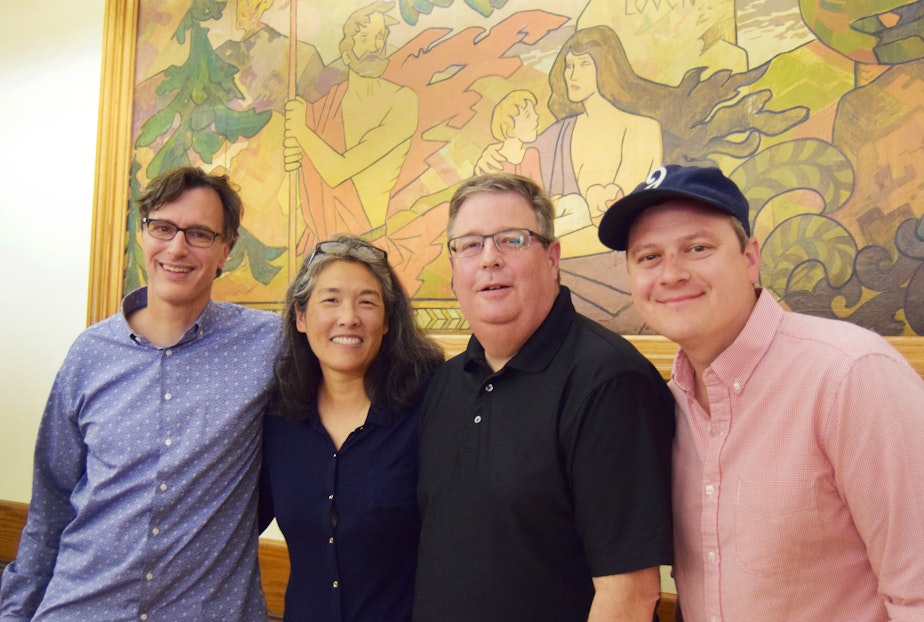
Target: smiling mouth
[[678, 299], [175, 269], [347, 341]]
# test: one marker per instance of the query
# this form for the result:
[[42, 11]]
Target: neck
[[501, 342], [597, 105], [513, 150], [164, 324], [363, 85], [342, 407], [500, 354], [342, 392]]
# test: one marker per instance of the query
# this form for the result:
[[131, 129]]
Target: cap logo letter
[[657, 176]]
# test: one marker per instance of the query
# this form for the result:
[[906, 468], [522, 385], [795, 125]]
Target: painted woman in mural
[[597, 147]]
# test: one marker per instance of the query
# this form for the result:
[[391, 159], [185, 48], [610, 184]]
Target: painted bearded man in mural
[[351, 144]]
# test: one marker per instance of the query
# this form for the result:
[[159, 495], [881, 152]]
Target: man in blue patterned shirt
[[144, 485]]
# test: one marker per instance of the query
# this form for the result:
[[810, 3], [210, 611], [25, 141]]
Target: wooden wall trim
[[12, 520], [274, 573]]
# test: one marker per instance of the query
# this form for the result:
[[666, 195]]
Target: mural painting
[[364, 116]]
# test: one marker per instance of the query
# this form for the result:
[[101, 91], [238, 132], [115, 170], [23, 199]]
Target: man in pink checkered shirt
[[798, 463]]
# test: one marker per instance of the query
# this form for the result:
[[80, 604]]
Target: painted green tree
[[200, 119]]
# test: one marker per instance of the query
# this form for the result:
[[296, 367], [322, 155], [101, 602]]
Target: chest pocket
[[777, 528]]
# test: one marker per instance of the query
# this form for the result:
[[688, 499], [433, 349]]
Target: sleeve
[[876, 430], [620, 474], [59, 465]]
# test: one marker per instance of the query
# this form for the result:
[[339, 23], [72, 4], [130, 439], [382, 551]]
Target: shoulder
[[643, 126], [839, 339], [233, 316], [397, 93], [447, 370], [108, 333], [595, 345], [406, 94], [247, 330]]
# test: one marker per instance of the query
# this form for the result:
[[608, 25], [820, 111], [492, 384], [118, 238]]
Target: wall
[[50, 73]]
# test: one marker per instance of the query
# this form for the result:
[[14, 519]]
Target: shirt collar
[[138, 299], [541, 347], [736, 364]]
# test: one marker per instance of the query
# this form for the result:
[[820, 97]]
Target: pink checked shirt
[[802, 497]]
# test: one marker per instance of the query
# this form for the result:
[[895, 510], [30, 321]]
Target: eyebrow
[[338, 290], [193, 226], [698, 235]]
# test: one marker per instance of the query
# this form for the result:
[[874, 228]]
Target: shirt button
[[708, 428], [737, 385], [489, 388], [477, 418], [168, 442], [330, 497], [710, 556], [336, 584], [167, 396], [155, 531], [330, 541], [163, 486], [149, 576], [710, 490], [144, 616], [169, 352]]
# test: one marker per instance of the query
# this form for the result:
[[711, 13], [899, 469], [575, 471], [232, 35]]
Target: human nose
[[348, 315], [490, 255], [178, 243], [673, 269]]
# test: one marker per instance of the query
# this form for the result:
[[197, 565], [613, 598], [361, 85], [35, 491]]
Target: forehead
[[371, 24], [524, 107], [573, 57], [489, 212], [195, 206], [344, 274]]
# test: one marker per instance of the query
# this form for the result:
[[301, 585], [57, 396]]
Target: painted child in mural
[[515, 124]]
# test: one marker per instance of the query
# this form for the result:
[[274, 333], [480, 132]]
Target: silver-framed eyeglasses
[[506, 241], [200, 237]]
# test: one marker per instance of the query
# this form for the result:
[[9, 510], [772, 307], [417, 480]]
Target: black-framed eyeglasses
[[506, 241], [200, 237], [338, 247]]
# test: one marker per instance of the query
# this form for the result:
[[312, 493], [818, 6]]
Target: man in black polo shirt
[[545, 446]]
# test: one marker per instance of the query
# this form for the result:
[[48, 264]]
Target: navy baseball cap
[[704, 184]]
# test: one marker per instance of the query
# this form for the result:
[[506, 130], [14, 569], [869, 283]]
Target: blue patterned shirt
[[145, 480]]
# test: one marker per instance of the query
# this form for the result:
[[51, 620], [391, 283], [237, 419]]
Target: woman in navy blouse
[[340, 442]]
